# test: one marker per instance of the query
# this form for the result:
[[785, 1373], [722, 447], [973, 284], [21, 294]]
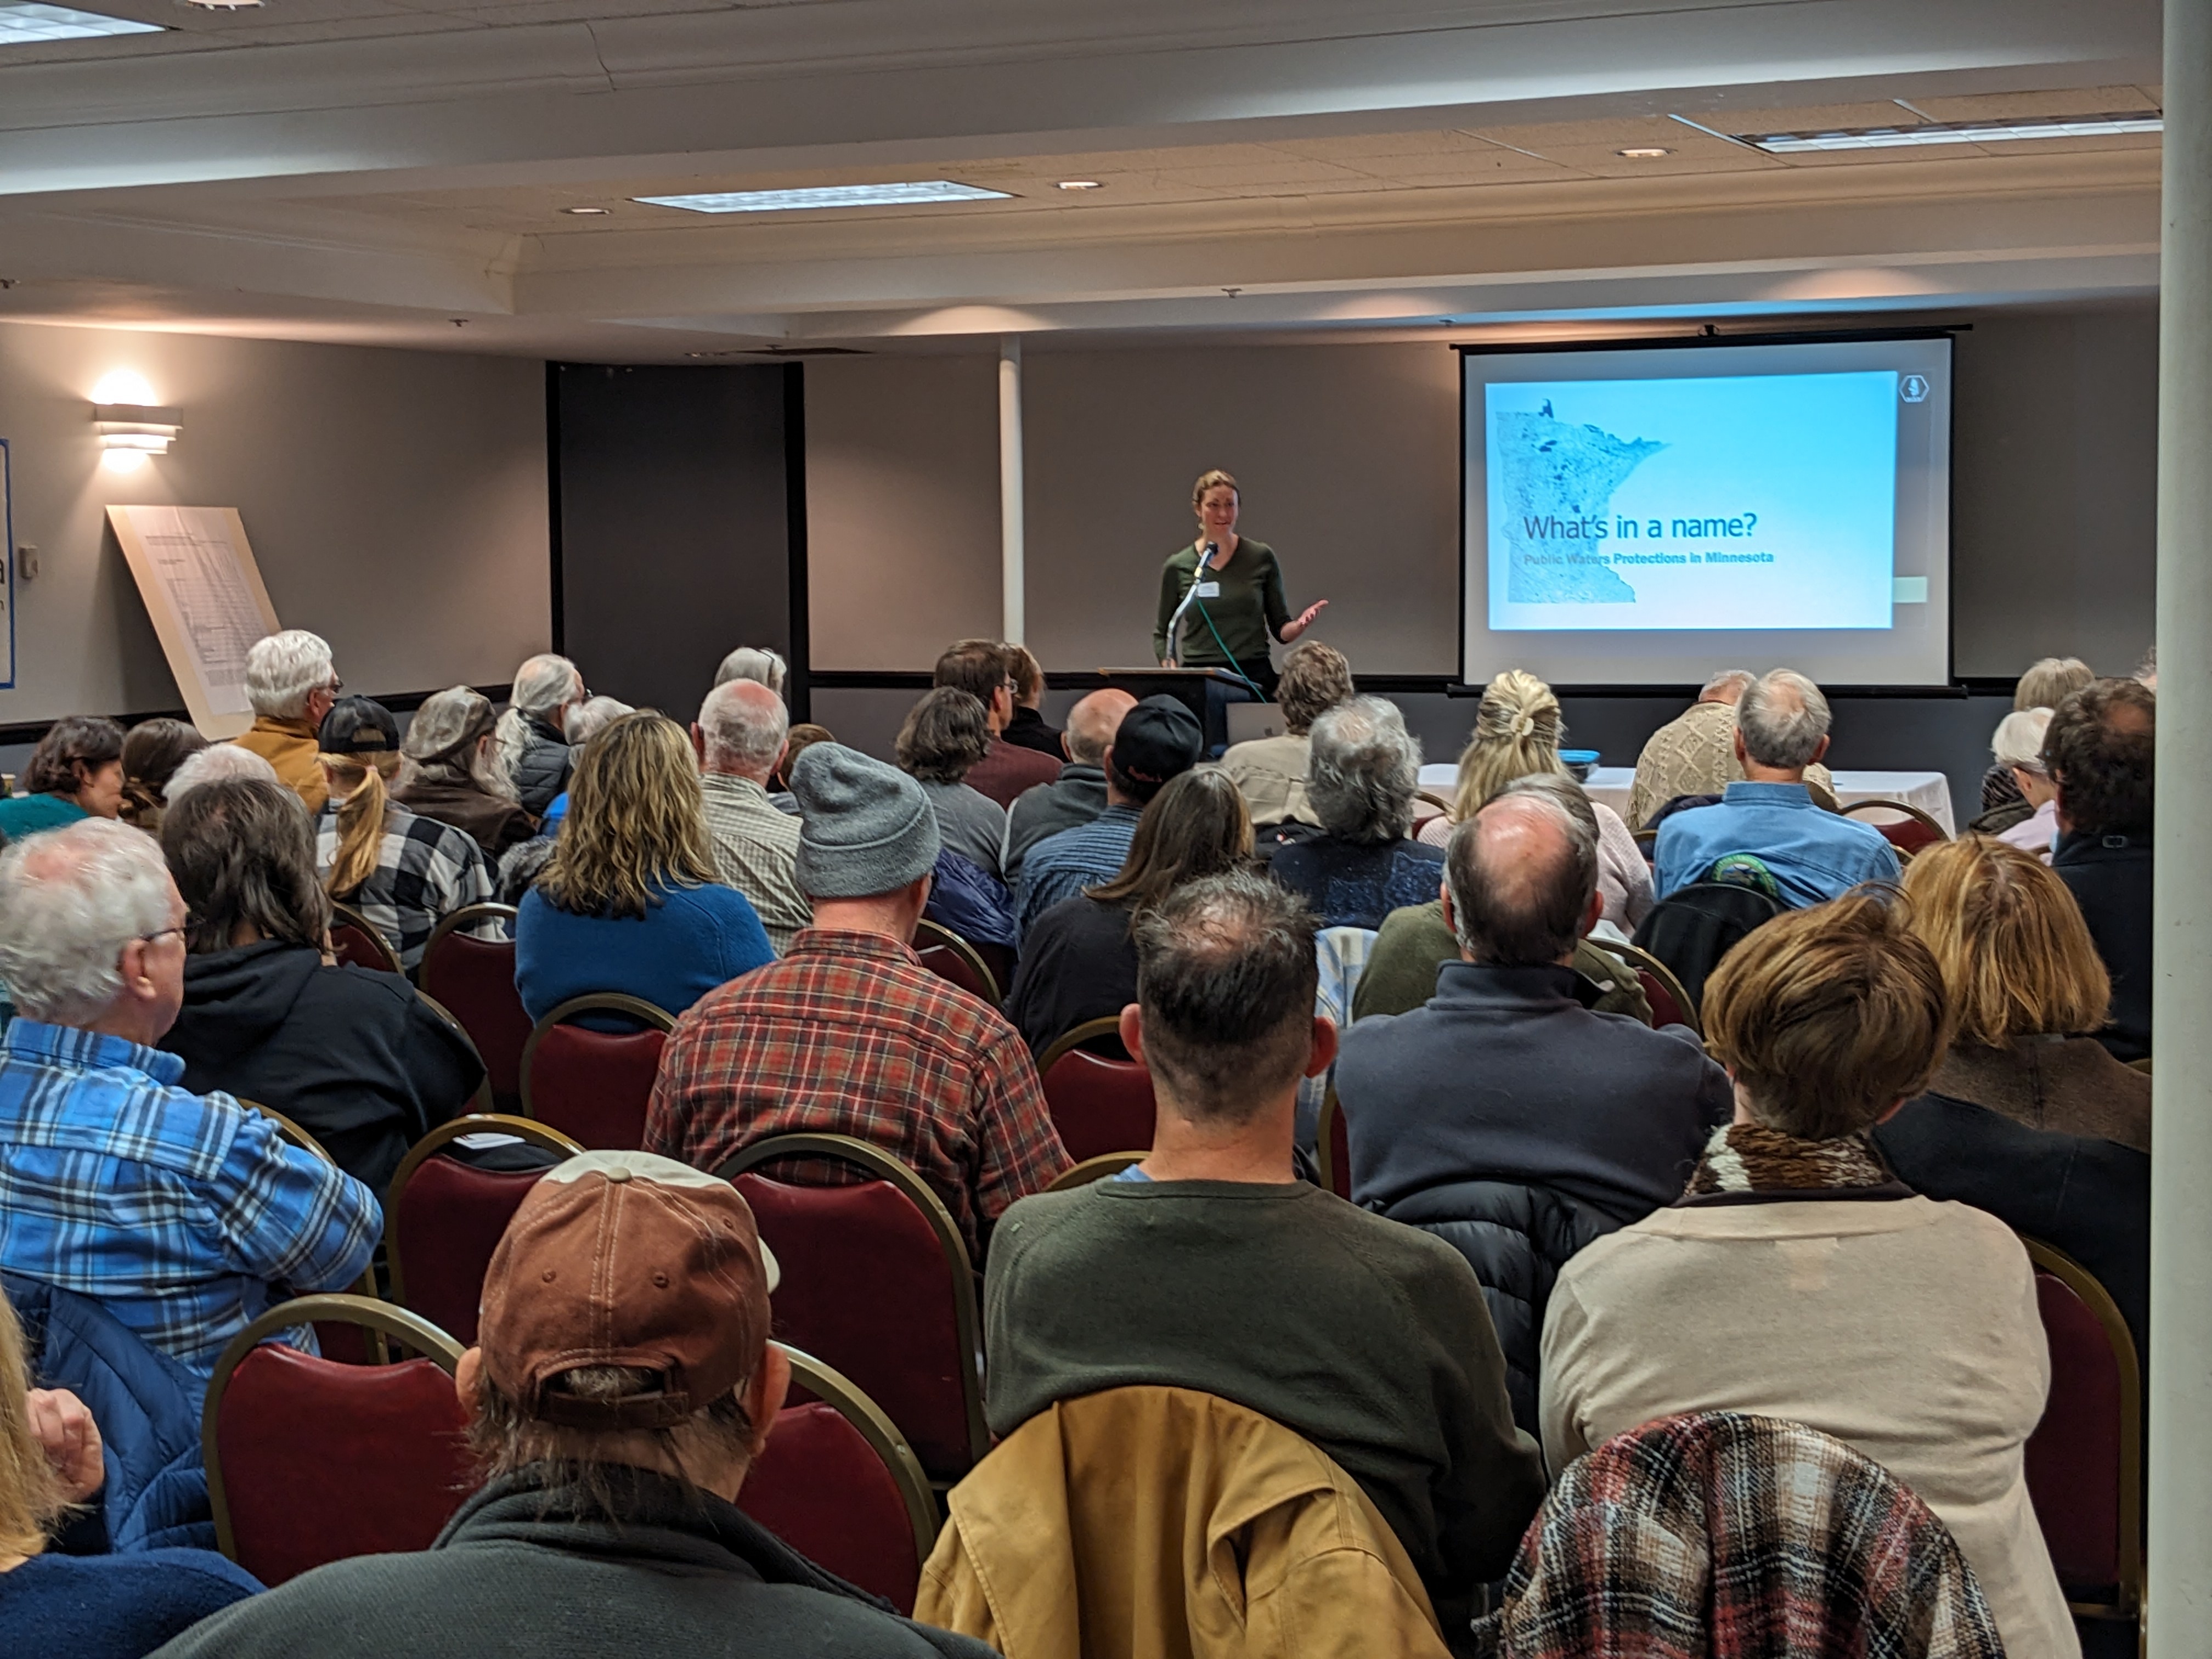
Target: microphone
[[1174, 623], [1212, 550]]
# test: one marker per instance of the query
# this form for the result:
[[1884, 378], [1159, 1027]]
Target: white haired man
[[185, 1216], [216, 763], [291, 683], [739, 735], [1813, 854], [1694, 753]]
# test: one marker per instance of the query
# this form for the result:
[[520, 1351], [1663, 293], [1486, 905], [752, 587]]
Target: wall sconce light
[[146, 428]]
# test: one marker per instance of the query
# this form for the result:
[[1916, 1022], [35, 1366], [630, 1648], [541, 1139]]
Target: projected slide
[[1717, 503]]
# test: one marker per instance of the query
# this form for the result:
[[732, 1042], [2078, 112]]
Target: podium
[[1206, 692]]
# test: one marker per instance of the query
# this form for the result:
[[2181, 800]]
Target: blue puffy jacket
[[147, 1405]]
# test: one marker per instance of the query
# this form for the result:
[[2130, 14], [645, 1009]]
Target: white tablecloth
[[1928, 791]]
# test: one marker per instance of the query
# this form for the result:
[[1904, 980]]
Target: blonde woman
[[403, 872], [1518, 731], [49, 1461], [629, 901]]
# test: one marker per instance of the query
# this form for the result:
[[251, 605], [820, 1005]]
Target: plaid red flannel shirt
[[849, 1034]]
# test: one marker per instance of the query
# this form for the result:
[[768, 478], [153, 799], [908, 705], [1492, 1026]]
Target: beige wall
[[395, 501]]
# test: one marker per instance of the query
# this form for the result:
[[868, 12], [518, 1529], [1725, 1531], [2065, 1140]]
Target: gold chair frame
[[1094, 1169], [1077, 1036], [1636, 957], [525, 1129], [928, 934], [649, 1015], [346, 916], [850, 1401]]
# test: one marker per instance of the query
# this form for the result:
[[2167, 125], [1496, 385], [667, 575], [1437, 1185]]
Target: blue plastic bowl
[[1579, 762]]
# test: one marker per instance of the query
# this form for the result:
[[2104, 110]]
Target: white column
[[2180, 1461], [1013, 599]]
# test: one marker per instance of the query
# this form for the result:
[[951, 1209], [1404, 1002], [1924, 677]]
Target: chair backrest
[[595, 1086], [1909, 831], [1099, 1103], [350, 1344], [1694, 926], [309, 1460], [354, 940], [838, 1483], [877, 1283], [1333, 1147], [1669, 999], [474, 979], [1093, 1168], [443, 1218], [2085, 1458], [949, 957]]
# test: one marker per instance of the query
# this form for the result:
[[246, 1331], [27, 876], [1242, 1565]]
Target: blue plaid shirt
[[185, 1216], [1061, 865]]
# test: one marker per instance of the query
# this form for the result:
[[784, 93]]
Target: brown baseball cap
[[618, 1258]]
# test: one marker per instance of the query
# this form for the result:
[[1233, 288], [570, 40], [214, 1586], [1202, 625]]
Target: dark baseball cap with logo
[[1158, 739], [358, 725]]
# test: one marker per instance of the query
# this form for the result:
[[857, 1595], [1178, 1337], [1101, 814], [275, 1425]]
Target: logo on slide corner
[[1913, 388]]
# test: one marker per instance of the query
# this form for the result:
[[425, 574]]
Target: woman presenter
[[1239, 603]]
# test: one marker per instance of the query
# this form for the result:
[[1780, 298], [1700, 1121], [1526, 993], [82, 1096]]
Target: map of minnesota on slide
[[1558, 480]]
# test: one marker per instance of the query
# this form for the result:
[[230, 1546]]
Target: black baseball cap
[[358, 725], [1158, 739]]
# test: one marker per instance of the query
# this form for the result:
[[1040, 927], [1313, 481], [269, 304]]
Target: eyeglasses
[[155, 939], [336, 685]]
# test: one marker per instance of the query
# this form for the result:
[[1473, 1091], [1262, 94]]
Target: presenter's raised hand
[[1303, 621]]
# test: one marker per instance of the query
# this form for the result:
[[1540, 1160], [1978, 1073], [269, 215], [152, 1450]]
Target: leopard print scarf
[[1747, 1157]]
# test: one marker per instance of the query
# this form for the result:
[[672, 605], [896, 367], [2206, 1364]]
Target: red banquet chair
[[1670, 1000], [353, 1344], [357, 944], [1334, 1150], [2085, 1458], [838, 1483], [1099, 1103], [1909, 832], [310, 1461], [877, 1283], [474, 980], [595, 1086], [949, 957], [443, 1218]]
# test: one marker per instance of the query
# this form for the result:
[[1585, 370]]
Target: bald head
[[1092, 723], [741, 729], [1520, 876]]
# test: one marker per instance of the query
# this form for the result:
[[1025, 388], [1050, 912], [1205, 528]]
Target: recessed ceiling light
[[21, 24], [588, 210], [1642, 153], [825, 196], [1081, 184], [1954, 132], [222, 5]]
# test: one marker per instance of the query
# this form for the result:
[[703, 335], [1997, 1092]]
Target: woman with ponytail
[[1518, 731], [401, 872]]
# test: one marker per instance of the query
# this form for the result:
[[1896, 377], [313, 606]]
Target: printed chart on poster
[[204, 592]]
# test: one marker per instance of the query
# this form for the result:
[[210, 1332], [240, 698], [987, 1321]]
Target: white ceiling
[[395, 171]]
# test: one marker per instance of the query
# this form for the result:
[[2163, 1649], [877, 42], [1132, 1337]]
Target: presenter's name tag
[[1209, 590]]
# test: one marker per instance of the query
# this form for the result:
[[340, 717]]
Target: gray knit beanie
[[865, 829]]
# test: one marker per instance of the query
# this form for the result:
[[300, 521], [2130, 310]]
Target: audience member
[[2047, 684], [1504, 1113], [1157, 739], [184, 1216], [1363, 771], [629, 901], [1077, 795], [218, 763], [1798, 1279], [2027, 1117], [1518, 731], [1027, 728], [1080, 961], [1272, 771], [849, 1034], [945, 737], [621, 1387], [755, 663], [586, 721], [2100, 750], [74, 773], [1694, 753], [982, 669], [354, 1057], [152, 751], [1210, 1266], [292, 685], [90, 1607], [533, 735], [1400, 971], [2029, 820], [802, 737], [403, 872], [1781, 730], [452, 772], [740, 737]]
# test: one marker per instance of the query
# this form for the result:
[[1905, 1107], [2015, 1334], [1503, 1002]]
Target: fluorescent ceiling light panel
[[1953, 132], [20, 24], [826, 195]]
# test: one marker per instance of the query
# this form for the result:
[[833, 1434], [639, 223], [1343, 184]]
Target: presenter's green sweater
[[1249, 612]]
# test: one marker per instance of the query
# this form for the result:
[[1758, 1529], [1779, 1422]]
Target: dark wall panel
[[673, 540]]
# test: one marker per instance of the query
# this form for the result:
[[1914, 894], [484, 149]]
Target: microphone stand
[[1190, 593]]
